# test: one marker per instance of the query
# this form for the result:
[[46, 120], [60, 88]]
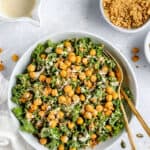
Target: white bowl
[[147, 47], [120, 28], [25, 59]]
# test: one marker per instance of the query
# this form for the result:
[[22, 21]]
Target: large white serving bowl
[[25, 59]]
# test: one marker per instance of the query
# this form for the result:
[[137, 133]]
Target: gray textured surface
[[80, 15]]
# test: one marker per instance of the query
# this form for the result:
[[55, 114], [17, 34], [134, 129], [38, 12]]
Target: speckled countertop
[[80, 15]]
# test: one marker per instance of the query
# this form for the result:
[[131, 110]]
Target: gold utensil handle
[[136, 113], [128, 128]]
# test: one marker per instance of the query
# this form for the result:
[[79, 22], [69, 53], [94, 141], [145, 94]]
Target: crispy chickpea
[[88, 84], [48, 80], [71, 93], [71, 125], [67, 88], [38, 102], [47, 91], [31, 68], [15, 57], [72, 57], [43, 56], [61, 147], [63, 73], [109, 97], [80, 121], [33, 108], [68, 63], [60, 115], [62, 66], [109, 105], [114, 95], [99, 108], [77, 68], [59, 50], [82, 97], [111, 74], [88, 72], [67, 44], [32, 75], [42, 78], [93, 136], [54, 92], [51, 115], [27, 95], [108, 112], [62, 99], [64, 139], [78, 59], [93, 78], [105, 69], [41, 113], [94, 113], [53, 123], [92, 52], [43, 141], [85, 61], [75, 98], [93, 100], [72, 148], [44, 107], [88, 115], [108, 127], [89, 108], [29, 115], [68, 100], [82, 76], [78, 90], [109, 90]]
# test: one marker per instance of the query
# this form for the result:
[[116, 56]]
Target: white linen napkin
[[9, 137]]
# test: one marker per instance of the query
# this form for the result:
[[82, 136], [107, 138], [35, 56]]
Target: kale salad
[[67, 97]]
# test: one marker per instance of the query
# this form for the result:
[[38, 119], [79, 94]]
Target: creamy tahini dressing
[[17, 8]]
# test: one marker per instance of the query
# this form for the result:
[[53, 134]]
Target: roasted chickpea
[[32, 75], [108, 127], [109, 97], [62, 99], [78, 59], [43, 141], [61, 147], [85, 61], [93, 78], [68, 63], [48, 80], [89, 108], [38, 101], [99, 108], [64, 139], [31, 68], [54, 92], [29, 115], [82, 76], [67, 44], [94, 113], [41, 113], [93, 100], [72, 57], [80, 121], [71, 125], [59, 50], [68, 100], [53, 123], [60, 115], [71, 93], [42, 78], [43, 56], [109, 90], [44, 107], [88, 115], [33, 108], [92, 52], [108, 112], [47, 91], [88, 84], [105, 69], [63, 73], [75, 98], [72, 148], [109, 105], [67, 88], [114, 95], [111, 74], [82, 97], [62, 66], [88, 72], [78, 90], [51, 115], [93, 136]]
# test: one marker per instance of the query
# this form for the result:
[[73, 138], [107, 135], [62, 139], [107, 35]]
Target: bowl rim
[[120, 28], [69, 33], [147, 49]]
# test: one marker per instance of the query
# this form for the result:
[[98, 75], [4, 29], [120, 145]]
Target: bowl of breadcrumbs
[[126, 15]]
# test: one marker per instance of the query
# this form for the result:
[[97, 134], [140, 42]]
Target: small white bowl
[[120, 28], [147, 47], [25, 59]]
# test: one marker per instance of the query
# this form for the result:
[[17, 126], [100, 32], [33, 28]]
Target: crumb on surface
[[15, 57], [135, 58], [2, 67]]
